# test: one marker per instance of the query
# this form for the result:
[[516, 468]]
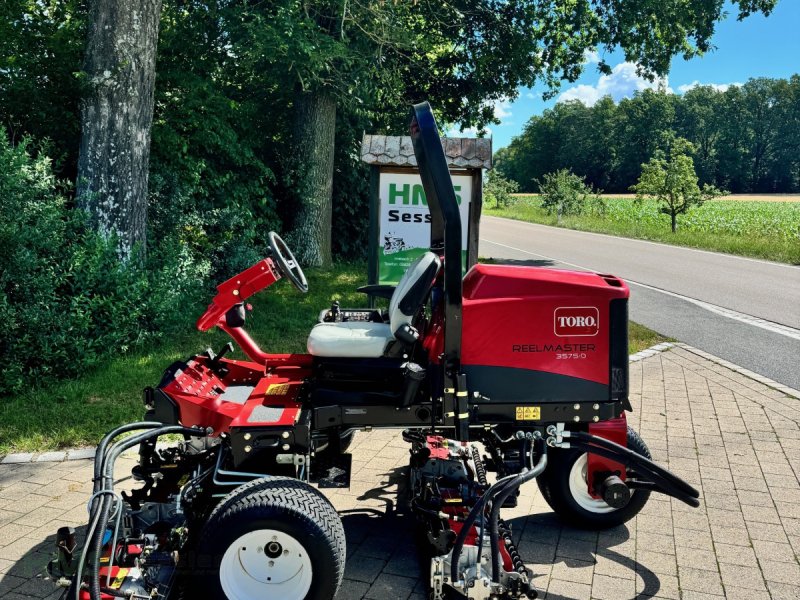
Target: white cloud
[[502, 108], [591, 57], [621, 83], [469, 132], [530, 95], [720, 87]]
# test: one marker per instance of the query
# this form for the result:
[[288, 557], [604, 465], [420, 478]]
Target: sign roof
[[397, 151]]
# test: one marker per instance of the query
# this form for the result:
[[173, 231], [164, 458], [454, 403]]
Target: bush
[[498, 189], [565, 193], [66, 302]]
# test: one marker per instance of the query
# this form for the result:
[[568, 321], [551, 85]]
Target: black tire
[[555, 487], [284, 505]]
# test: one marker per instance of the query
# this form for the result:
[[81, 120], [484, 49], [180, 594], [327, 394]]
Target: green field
[[769, 230], [78, 412]]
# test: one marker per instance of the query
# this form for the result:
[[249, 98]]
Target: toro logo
[[577, 321]]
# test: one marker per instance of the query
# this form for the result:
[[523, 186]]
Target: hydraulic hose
[[497, 503], [662, 484], [106, 484], [95, 509], [100, 454], [470, 520], [637, 459]]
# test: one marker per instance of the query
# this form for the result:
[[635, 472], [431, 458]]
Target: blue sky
[[756, 47]]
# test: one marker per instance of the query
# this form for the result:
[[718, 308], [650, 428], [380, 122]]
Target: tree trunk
[[313, 148], [674, 222], [116, 116]]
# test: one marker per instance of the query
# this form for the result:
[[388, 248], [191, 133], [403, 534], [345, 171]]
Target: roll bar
[[445, 240]]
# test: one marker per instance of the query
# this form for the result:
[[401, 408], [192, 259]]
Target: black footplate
[[332, 471]]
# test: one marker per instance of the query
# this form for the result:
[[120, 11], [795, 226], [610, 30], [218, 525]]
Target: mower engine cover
[[534, 336]]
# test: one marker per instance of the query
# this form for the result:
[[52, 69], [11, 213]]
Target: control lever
[[214, 359], [222, 352], [336, 312]]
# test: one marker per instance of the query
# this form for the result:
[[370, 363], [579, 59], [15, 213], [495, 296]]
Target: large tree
[[116, 117], [463, 55]]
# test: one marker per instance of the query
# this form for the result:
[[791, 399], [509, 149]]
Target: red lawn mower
[[521, 371]]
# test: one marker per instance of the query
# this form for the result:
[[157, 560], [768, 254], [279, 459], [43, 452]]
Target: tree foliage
[[745, 139], [670, 178], [565, 193], [497, 189], [228, 76]]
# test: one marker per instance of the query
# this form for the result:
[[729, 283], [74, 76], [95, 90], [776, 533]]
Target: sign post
[[399, 217]]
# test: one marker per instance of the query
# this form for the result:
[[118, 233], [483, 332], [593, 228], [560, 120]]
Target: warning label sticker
[[529, 413], [278, 389]]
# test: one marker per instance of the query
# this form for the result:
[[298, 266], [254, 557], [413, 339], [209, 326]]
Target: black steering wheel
[[286, 262]]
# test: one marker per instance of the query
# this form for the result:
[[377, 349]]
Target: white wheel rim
[[579, 488], [265, 564]]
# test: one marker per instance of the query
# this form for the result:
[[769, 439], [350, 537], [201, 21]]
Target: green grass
[[78, 412], [768, 230], [641, 338]]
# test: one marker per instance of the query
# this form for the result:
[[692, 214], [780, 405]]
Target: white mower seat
[[358, 339], [351, 339]]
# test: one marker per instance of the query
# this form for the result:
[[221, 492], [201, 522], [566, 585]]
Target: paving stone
[[568, 589], [21, 457], [81, 453], [51, 456], [741, 543]]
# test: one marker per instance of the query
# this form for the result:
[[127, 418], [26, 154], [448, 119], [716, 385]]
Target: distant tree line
[[746, 138]]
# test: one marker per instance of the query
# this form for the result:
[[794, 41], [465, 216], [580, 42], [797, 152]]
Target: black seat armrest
[[379, 291]]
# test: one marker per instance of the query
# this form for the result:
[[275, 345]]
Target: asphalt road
[[743, 310]]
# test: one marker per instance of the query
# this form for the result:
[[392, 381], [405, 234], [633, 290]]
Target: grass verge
[[78, 412], [767, 230]]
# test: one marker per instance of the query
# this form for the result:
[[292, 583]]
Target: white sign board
[[405, 231]]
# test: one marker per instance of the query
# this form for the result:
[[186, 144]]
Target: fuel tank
[[541, 335]]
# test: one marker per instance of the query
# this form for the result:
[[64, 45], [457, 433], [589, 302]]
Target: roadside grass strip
[[767, 230]]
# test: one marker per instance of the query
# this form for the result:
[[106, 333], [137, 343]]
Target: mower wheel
[[564, 487], [275, 538]]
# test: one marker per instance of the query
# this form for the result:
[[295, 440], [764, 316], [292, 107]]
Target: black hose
[[637, 459], [497, 503], [664, 485], [107, 476], [100, 453], [470, 520], [95, 508]]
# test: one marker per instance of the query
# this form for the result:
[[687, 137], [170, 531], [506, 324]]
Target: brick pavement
[[735, 438]]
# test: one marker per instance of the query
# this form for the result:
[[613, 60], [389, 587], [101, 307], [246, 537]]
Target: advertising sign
[[405, 231]]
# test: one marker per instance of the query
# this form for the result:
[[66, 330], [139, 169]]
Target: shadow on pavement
[[573, 548], [28, 578]]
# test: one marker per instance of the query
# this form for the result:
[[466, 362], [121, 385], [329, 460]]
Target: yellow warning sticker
[[119, 579], [278, 389], [529, 413]]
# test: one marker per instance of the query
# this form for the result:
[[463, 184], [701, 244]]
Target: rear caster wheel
[[564, 487], [274, 538]]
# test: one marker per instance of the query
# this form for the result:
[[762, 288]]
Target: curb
[[86, 453], [784, 389], [651, 351]]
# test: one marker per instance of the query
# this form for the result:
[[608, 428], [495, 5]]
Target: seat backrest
[[412, 289]]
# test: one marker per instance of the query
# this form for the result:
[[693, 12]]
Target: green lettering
[[394, 193], [457, 188], [418, 196]]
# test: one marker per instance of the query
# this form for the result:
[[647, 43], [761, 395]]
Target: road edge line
[[770, 383]]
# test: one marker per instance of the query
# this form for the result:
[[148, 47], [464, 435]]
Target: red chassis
[[518, 371]]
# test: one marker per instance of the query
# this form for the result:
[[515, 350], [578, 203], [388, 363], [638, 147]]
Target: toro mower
[[517, 371]]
